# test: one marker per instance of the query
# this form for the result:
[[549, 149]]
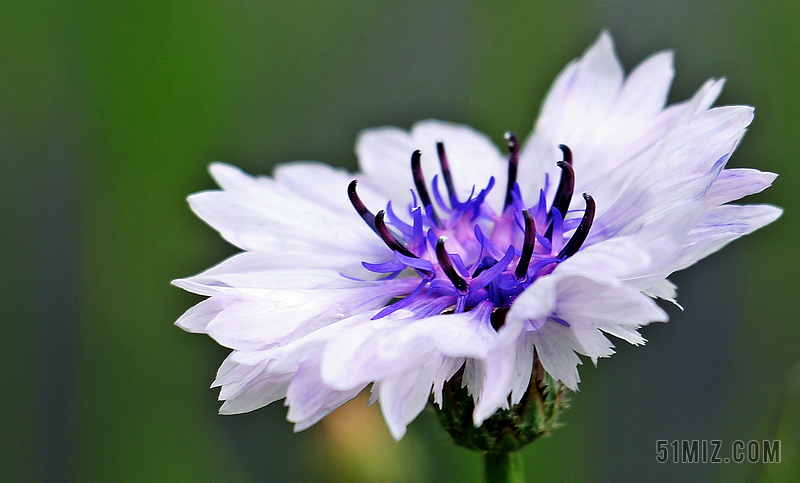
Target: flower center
[[464, 252]]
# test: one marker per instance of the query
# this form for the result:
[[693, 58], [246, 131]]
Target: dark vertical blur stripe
[[17, 345], [38, 148], [769, 339], [55, 200], [155, 77]]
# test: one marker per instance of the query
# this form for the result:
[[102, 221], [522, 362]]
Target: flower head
[[446, 256]]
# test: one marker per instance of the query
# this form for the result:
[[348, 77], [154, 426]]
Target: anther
[[567, 153], [387, 237], [448, 177], [362, 210], [422, 190], [447, 266], [566, 188], [527, 247], [513, 163], [575, 243]]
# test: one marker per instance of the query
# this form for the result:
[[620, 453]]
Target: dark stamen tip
[[440, 148], [422, 190], [567, 153], [387, 237], [527, 247], [574, 244], [447, 266], [448, 177], [591, 206], [566, 187], [416, 166], [362, 210], [513, 163], [513, 145]]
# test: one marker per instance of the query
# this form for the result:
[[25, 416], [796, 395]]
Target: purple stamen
[[402, 303], [513, 163], [475, 204], [362, 210], [438, 196], [461, 304], [385, 267], [387, 237], [448, 177], [527, 247], [488, 276], [487, 246], [459, 265], [422, 190], [555, 230], [418, 240], [574, 243], [415, 263], [406, 229], [447, 266]]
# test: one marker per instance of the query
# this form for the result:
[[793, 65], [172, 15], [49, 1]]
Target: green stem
[[503, 467]]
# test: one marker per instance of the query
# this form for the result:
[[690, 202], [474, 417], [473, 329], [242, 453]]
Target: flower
[[477, 262]]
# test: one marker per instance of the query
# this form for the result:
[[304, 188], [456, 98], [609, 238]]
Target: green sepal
[[507, 430]]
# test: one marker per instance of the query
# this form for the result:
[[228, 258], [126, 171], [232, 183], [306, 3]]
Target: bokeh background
[[111, 111]]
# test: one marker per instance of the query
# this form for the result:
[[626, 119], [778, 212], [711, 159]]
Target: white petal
[[664, 289], [721, 226], [609, 304], [621, 258], [249, 326], [281, 315], [496, 374], [231, 371], [318, 183], [590, 87], [645, 91], [257, 390], [404, 396], [230, 177], [732, 184], [444, 372], [537, 302], [197, 318], [384, 156], [474, 377], [260, 214], [679, 172], [611, 307], [310, 400], [556, 345], [392, 345], [523, 367]]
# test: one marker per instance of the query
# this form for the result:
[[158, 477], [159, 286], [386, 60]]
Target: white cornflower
[[477, 259]]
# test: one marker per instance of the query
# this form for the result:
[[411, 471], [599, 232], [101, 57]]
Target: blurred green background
[[111, 111]]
